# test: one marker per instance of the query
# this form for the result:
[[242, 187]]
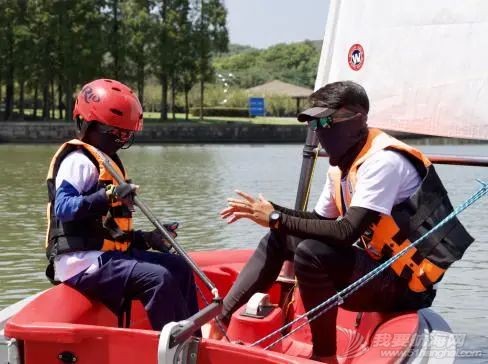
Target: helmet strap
[[129, 142], [81, 127]]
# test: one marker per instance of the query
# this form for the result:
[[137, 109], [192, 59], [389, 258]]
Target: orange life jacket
[[426, 263], [113, 231]]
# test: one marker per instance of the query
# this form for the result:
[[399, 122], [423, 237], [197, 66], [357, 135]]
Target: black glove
[[124, 193], [156, 240]]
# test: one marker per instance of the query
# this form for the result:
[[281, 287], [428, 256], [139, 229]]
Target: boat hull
[[62, 323]]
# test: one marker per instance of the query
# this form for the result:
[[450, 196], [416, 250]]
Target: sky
[[261, 23]]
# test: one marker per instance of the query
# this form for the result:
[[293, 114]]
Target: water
[[189, 184]]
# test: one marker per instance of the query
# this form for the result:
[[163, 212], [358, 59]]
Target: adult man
[[388, 195], [90, 242]]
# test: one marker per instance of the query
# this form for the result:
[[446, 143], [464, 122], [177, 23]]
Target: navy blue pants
[[163, 282]]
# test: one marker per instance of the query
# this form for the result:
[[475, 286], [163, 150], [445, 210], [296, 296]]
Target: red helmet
[[109, 102]]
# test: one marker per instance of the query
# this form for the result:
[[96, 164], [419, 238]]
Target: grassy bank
[[153, 117]]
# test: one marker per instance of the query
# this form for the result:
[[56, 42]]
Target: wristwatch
[[274, 219]]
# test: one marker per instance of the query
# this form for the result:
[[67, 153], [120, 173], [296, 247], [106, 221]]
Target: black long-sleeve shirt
[[342, 232]]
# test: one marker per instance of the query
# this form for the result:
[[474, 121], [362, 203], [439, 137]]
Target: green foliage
[[166, 49], [280, 106], [54, 46], [294, 63], [152, 95], [215, 96], [237, 48], [139, 26]]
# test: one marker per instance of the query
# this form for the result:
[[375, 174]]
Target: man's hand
[[156, 240], [257, 210], [124, 193]]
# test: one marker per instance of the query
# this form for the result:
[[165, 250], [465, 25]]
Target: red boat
[[63, 326]]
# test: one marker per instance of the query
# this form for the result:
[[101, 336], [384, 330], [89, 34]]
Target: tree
[[116, 37], [181, 33], [188, 62], [50, 47], [295, 63], [173, 17], [163, 53], [23, 42], [140, 23], [80, 44], [3, 53], [7, 18], [44, 61], [211, 36]]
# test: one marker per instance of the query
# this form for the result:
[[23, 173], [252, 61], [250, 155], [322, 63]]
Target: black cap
[[315, 113]]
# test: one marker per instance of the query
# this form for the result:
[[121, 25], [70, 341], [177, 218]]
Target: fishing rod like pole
[[155, 221]]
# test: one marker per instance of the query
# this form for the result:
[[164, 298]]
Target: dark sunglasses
[[122, 134], [321, 123]]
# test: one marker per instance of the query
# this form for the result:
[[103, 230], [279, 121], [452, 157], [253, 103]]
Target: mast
[[308, 163], [310, 154]]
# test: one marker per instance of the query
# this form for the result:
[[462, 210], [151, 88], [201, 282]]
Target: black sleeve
[[297, 213], [345, 231]]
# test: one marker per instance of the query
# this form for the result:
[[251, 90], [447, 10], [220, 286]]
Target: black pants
[[321, 271]]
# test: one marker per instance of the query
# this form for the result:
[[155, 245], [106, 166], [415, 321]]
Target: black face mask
[[342, 138], [107, 142]]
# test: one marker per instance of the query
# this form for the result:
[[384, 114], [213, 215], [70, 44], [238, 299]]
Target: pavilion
[[280, 88]]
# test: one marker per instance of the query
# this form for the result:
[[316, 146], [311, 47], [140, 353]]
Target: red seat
[[63, 320], [359, 335]]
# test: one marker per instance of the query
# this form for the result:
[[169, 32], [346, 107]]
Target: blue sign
[[256, 106]]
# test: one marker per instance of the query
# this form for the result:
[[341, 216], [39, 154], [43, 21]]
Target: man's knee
[[317, 254], [310, 268], [306, 252]]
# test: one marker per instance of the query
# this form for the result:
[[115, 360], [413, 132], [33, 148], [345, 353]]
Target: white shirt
[[79, 171], [384, 180]]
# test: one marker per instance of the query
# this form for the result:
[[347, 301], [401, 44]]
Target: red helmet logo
[[89, 95]]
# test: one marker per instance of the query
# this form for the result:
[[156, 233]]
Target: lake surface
[[189, 184]]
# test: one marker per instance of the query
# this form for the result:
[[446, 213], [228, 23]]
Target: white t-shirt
[[384, 180], [79, 171]]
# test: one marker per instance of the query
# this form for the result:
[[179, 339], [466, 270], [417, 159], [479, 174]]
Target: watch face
[[275, 215]]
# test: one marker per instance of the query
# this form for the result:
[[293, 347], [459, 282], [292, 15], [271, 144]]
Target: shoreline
[[40, 132]]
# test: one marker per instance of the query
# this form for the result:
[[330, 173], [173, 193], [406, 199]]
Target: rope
[[340, 296], [291, 300]]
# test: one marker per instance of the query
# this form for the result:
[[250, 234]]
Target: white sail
[[424, 63]]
